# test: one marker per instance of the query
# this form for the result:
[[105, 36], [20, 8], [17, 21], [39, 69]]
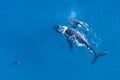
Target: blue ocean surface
[[30, 49]]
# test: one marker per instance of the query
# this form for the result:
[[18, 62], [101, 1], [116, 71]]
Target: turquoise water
[[26, 36]]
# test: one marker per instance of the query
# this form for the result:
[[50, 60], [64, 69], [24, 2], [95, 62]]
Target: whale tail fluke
[[98, 56]]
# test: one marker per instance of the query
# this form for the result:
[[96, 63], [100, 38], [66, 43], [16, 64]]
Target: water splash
[[72, 14]]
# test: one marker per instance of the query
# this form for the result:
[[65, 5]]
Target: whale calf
[[72, 35], [76, 23]]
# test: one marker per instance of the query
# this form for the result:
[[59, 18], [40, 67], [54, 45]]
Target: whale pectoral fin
[[70, 44]]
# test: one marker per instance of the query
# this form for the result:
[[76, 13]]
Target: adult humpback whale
[[72, 35]]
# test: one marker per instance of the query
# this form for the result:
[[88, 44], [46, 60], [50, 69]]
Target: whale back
[[79, 36]]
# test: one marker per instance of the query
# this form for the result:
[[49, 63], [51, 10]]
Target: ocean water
[[31, 50]]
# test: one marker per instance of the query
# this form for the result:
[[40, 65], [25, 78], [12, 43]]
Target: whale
[[74, 36], [79, 24]]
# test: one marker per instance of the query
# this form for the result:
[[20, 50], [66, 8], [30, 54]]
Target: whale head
[[60, 29]]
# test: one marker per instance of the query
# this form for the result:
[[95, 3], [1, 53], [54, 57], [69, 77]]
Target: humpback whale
[[72, 35], [76, 23]]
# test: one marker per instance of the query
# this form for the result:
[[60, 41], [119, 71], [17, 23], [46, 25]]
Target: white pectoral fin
[[72, 37], [79, 25], [76, 41]]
